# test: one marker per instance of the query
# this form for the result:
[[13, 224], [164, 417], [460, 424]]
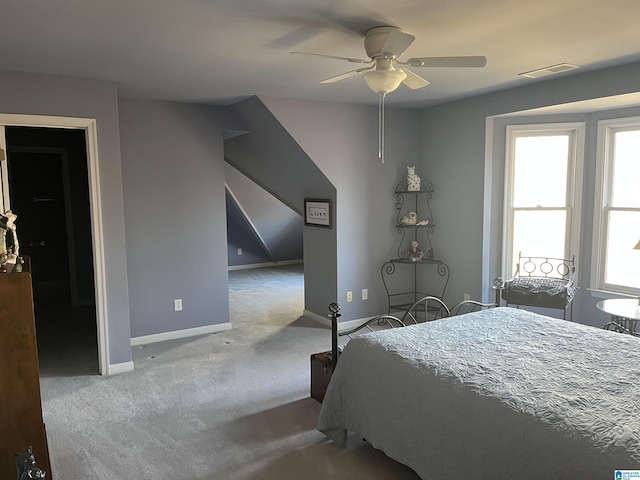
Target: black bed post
[[334, 308], [498, 286]]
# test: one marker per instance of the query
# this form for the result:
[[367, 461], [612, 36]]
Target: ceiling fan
[[385, 71]]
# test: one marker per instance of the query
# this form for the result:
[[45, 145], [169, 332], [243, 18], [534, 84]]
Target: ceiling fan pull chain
[[381, 127]]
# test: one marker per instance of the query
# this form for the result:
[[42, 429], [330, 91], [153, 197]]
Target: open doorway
[[49, 191]]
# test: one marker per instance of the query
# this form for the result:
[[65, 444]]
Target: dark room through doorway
[[49, 192]]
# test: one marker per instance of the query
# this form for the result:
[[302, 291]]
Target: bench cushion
[[538, 292]]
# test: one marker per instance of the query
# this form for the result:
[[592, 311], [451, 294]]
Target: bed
[[499, 393]]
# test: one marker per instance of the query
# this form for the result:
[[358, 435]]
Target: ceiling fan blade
[[413, 81], [398, 41], [342, 76], [469, 62], [352, 60]]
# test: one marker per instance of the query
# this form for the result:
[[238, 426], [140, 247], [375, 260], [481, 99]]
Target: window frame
[[602, 201], [573, 201]]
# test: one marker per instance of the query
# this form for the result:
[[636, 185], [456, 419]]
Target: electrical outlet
[[177, 304], [467, 296], [365, 293], [239, 251], [349, 296]]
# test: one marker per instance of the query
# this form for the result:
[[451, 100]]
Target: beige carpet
[[233, 405]]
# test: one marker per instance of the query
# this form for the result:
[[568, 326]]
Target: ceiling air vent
[[542, 72]]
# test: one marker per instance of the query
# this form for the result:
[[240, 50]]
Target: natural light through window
[[540, 192], [540, 171], [619, 212]]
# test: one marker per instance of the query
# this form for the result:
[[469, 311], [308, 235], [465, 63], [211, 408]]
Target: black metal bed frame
[[424, 304]]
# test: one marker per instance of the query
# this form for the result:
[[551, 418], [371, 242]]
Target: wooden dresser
[[21, 423]]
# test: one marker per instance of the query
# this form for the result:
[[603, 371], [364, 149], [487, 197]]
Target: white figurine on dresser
[[8, 255]]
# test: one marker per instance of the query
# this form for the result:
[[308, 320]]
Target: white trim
[[576, 132], [598, 202], [577, 162], [189, 332], [263, 265], [97, 232], [123, 367], [342, 326], [325, 321], [602, 198], [507, 213], [595, 293]]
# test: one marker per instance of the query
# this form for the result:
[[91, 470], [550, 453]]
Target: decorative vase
[[413, 180]]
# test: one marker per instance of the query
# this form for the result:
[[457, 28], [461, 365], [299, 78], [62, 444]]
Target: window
[[616, 265], [542, 192]]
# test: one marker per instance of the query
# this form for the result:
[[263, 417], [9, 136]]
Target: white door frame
[[97, 233]]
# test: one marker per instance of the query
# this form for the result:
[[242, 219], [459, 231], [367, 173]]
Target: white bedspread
[[497, 394]]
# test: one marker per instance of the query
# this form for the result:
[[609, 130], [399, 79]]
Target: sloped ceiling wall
[[271, 157], [274, 229]]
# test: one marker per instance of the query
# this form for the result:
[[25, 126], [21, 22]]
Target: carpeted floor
[[234, 405]]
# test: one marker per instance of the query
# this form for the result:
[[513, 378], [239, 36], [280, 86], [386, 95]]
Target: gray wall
[[173, 158], [342, 140], [469, 169], [173, 177], [240, 234], [24, 93], [279, 227], [272, 158]]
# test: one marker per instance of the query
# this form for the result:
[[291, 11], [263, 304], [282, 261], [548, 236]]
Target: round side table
[[625, 313]]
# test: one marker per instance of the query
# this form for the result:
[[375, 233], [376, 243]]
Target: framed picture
[[317, 212]]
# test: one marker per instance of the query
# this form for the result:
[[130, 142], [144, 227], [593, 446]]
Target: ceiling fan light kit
[[384, 46], [384, 81]]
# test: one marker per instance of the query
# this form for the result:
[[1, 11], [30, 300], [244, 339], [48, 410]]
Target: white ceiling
[[220, 51]]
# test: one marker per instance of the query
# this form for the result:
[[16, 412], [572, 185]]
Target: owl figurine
[[415, 253]]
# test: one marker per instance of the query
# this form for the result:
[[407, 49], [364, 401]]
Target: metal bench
[[544, 282]]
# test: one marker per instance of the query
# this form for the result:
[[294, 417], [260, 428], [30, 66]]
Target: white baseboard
[[115, 368], [342, 326], [326, 321], [189, 332], [263, 265]]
